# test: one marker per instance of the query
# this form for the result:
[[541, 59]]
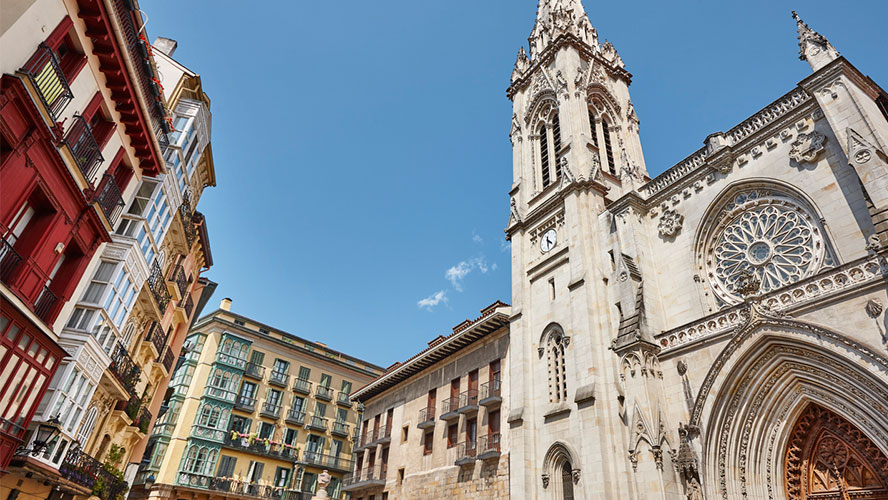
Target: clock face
[[547, 242]]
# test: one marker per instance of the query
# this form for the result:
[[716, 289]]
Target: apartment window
[[257, 358], [346, 387], [266, 430], [290, 436], [86, 427], [326, 380], [281, 477], [240, 424], [427, 441], [226, 466], [72, 398], [97, 286], [248, 390], [102, 127], [71, 60], [213, 416], [273, 397], [25, 366], [342, 415], [335, 448], [495, 370], [120, 300], [281, 366], [239, 322], [254, 473], [471, 430], [179, 125], [452, 435], [304, 373], [298, 404], [320, 409], [200, 460]]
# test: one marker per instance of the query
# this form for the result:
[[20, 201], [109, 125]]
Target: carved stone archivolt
[[828, 457], [753, 393]]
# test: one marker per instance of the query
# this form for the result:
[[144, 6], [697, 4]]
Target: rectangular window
[[281, 477], [255, 472], [471, 430], [248, 390], [320, 410], [494, 370], [346, 387], [257, 357], [99, 283], [120, 300], [273, 397], [298, 404], [493, 423], [326, 380], [427, 441], [304, 373], [240, 424], [226, 466], [290, 436], [342, 415], [73, 396], [452, 435], [454, 388], [281, 366], [266, 430]]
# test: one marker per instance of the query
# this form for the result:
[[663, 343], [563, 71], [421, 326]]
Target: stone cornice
[[546, 56], [555, 200]]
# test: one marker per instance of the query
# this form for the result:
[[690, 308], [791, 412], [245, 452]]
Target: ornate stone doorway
[[828, 458]]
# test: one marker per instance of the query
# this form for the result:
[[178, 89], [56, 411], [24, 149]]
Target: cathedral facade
[[716, 331]]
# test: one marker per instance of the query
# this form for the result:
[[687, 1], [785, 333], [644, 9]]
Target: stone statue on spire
[[814, 47]]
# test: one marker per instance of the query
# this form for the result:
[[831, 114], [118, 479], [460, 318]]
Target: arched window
[[86, 427], [593, 127], [608, 149], [217, 378], [556, 143], [226, 346], [567, 488], [544, 154], [555, 343]]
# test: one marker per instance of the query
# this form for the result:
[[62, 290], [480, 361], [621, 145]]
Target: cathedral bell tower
[[576, 147]]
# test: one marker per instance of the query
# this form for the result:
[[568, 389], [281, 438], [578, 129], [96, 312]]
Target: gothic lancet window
[[593, 128], [567, 491], [608, 149], [549, 136], [555, 344], [544, 154]]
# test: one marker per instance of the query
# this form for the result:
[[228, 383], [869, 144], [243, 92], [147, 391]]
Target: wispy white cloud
[[433, 300], [505, 246], [456, 274], [477, 239]]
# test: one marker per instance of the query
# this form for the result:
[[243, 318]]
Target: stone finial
[[813, 47]]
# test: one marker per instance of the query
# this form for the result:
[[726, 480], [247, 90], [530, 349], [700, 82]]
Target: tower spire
[[813, 47], [558, 17]]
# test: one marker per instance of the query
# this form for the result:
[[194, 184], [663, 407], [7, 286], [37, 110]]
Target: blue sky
[[362, 150]]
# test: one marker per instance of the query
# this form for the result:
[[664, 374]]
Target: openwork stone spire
[[557, 17], [814, 47]]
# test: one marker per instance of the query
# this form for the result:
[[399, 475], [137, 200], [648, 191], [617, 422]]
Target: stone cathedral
[[717, 331]]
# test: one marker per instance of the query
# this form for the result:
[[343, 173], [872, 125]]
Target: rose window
[[765, 236]]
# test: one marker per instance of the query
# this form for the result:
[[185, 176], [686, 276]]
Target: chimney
[[165, 45], [225, 305]]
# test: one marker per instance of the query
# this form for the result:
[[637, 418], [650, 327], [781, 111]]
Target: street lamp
[[149, 481], [45, 433]]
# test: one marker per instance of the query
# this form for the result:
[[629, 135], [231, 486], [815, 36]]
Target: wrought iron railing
[[125, 369], [327, 461], [44, 304], [491, 389], [324, 393], [180, 279], [45, 72], [245, 403], [317, 423], [467, 450], [468, 398], [367, 473], [109, 199], [254, 370], [344, 398], [295, 417], [143, 421], [489, 443], [156, 336], [80, 468], [270, 410], [168, 359], [138, 50], [158, 288], [340, 428], [262, 447], [278, 378], [231, 487], [187, 218], [9, 260], [426, 414], [189, 305], [84, 148], [302, 385], [449, 405]]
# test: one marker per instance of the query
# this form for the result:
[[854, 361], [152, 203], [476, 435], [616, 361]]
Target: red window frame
[[26, 355], [61, 42], [452, 435], [102, 126]]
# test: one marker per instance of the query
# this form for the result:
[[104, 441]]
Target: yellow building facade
[[254, 412]]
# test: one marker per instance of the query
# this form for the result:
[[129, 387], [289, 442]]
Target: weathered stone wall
[[480, 480]]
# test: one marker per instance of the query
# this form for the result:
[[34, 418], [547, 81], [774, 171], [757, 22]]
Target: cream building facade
[[254, 413], [717, 331], [432, 425]]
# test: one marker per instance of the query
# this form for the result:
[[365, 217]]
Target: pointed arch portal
[[829, 458]]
